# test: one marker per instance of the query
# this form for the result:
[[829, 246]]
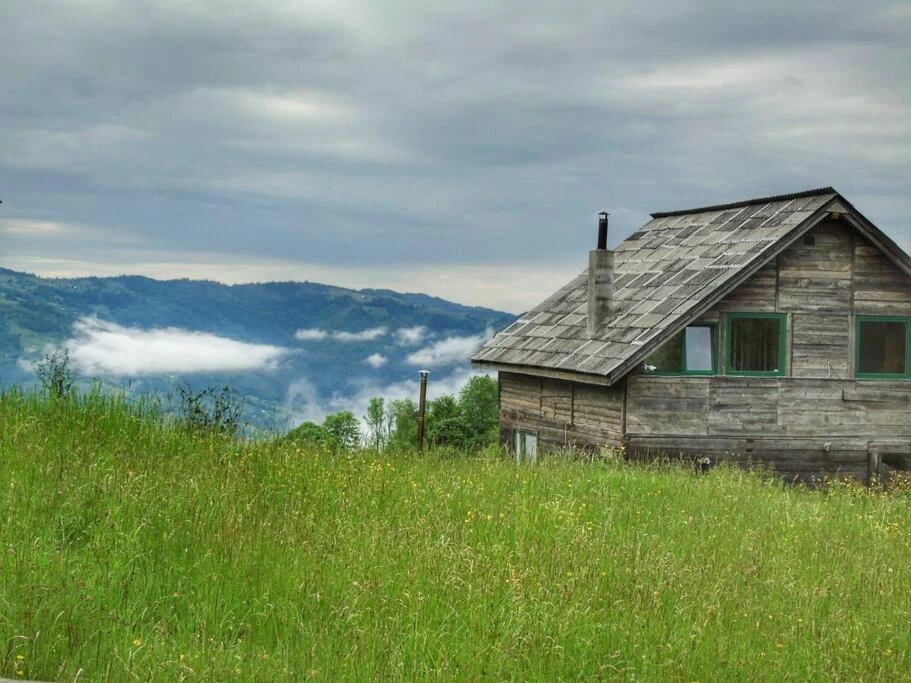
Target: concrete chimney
[[600, 281]]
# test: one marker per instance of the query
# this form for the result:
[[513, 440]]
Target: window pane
[[531, 447], [698, 348], [882, 347], [669, 358], [755, 344]]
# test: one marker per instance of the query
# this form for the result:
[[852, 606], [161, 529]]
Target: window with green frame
[[756, 344], [690, 352], [883, 349]]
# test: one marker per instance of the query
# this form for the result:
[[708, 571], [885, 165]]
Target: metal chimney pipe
[[602, 230], [422, 410]]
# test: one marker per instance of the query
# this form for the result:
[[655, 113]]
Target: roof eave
[[549, 373]]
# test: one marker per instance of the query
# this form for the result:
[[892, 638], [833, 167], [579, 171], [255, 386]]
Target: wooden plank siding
[[880, 288], [564, 415], [816, 420], [796, 426]]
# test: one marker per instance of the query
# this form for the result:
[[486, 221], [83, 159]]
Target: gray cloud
[[394, 137]]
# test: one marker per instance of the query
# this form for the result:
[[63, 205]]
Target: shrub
[[211, 409], [55, 374]]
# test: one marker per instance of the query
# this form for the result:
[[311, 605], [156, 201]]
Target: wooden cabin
[[773, 331]]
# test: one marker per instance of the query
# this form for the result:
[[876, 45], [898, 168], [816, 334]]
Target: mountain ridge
[[37, 311]]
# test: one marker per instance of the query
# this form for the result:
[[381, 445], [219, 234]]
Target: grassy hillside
[[135, 549]]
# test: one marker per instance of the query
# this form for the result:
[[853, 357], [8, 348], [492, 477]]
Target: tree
[[444, 423], [55, 374], [377, 424], [467, 423], [309, 434], [404, 435], [344, 431], [479, 405]]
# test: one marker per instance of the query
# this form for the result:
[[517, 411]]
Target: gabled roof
[[667, 274]]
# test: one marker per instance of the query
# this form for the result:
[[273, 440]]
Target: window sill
[[882, 378]]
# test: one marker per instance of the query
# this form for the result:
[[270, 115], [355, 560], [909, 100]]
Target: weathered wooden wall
[[816, 420], [563, 414], [879, 287], [800, 427]]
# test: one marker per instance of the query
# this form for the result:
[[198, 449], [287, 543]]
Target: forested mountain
[[325, 341]]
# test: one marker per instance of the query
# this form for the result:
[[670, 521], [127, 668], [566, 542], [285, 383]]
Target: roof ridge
[[748, 202]]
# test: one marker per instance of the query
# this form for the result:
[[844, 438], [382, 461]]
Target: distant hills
[[298, 347]]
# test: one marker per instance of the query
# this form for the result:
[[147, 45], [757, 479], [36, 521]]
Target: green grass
[[129, 549]]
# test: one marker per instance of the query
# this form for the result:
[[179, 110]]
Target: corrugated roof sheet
[[662, 272]]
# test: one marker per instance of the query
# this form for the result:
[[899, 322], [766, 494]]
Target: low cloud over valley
[[104, 348], [108, 350], [316, 334], [411, 336], [449, 351]]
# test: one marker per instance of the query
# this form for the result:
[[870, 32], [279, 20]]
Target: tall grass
[[134, 549]]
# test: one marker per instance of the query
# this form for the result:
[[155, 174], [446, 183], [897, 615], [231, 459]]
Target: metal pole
[[422, 408]]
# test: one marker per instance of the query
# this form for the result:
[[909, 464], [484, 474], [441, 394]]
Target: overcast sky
[[457, 148]]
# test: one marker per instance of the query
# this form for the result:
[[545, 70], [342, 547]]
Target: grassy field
[[132, 550]]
